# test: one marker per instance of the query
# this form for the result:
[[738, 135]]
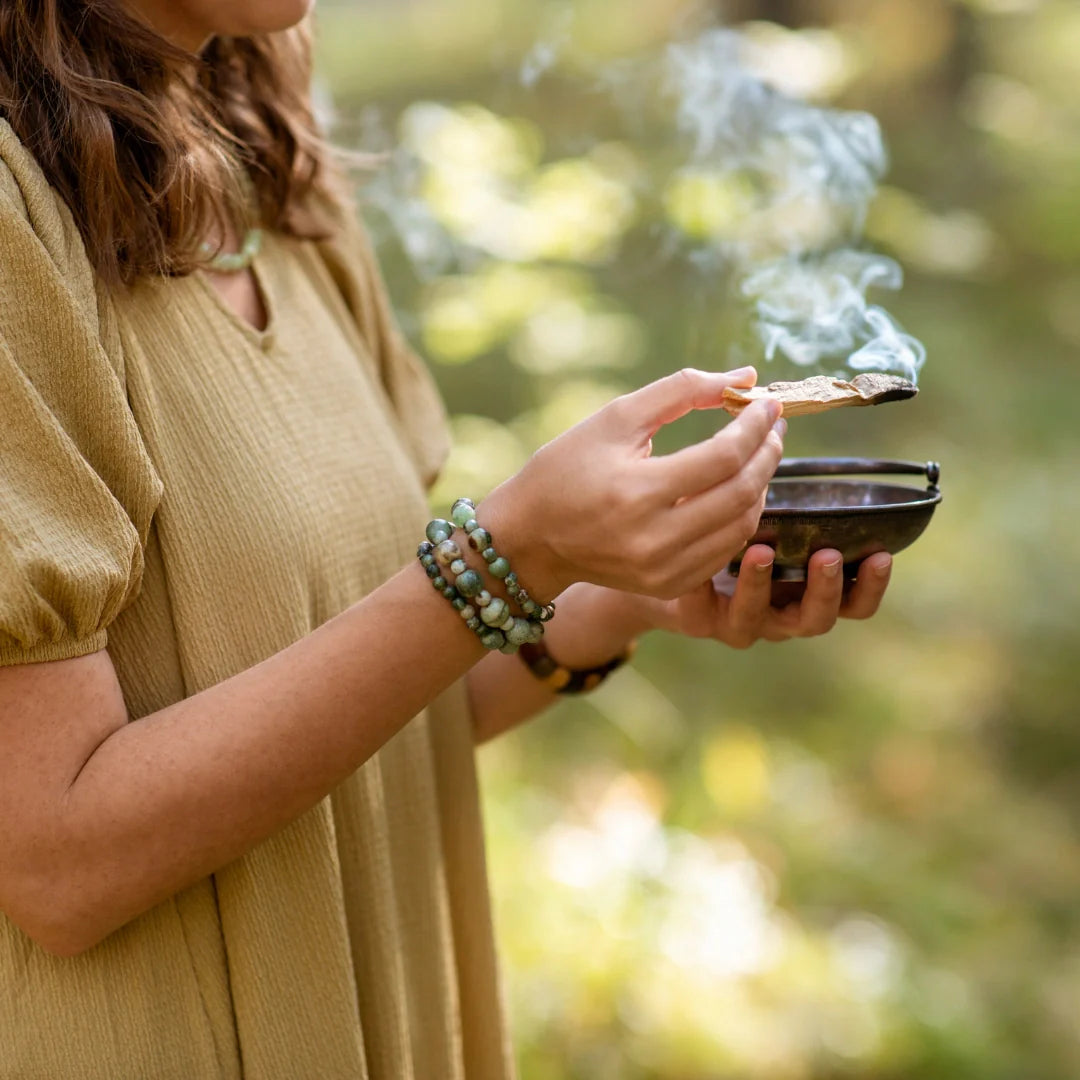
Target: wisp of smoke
[[814, 172], [808, 173]]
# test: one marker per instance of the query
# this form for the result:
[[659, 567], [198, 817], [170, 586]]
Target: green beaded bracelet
[[491, 618], [463, 515]]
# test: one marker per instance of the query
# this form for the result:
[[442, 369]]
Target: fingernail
[[765, 567], [882, 566], [831, 569]]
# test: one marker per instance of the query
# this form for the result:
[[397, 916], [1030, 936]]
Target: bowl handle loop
[[860, 467]]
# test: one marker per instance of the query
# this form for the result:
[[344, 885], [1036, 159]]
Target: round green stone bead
[[474, 623], [447, 552], [483, 598], [471, 525], [507, 622], [492, 639], [479, 539], [467, 612], [536, 631], [438, 582], [459, 604], [426, 548], [461, 513], [431, 570], [530, 607], [509, 649], [470, 583], [439, 530], [499, 568], [449, 592], [495, 613], [427, 560], [513, 590], [489, 554], [458, 566], [520, 632], [511, 579]]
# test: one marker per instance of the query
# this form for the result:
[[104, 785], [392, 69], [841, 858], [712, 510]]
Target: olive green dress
[[194, 495]]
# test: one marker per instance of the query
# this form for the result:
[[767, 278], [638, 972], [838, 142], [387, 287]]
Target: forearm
[[592, 625], [170, 798]]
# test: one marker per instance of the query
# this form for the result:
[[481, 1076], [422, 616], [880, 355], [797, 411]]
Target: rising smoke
[[803, 177]]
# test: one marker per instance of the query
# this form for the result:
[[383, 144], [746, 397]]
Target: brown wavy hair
[[152, 148]]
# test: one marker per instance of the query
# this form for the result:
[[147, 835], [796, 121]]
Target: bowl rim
[[927, 498]]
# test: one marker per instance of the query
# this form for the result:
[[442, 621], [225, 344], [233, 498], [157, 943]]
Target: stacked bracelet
[[489, 617]]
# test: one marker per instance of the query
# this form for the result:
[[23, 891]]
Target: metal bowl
[[810, 506]]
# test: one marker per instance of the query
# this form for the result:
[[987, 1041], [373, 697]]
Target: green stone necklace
[[234, 262]]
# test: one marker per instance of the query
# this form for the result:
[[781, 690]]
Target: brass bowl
[[812, 505]]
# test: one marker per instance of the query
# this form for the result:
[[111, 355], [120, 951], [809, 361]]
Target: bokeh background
[[851, 857]]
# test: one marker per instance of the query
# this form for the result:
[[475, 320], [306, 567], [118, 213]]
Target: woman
[[241, 834]]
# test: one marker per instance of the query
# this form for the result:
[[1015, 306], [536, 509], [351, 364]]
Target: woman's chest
[[285, 477]]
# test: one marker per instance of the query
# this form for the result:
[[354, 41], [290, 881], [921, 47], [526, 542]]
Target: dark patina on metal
[[812, 504]]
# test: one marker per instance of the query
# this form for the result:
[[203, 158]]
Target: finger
[[749, 607], [866, 595], [736, 500], [820, 606], [714, 460], [643, 411]]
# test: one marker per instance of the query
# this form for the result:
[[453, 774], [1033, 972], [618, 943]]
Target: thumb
[[673, 396]]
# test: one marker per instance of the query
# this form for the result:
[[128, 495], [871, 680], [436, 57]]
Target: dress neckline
[[264, 338]]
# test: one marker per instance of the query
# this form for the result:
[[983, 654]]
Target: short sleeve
[[77, 488], [414, 395]]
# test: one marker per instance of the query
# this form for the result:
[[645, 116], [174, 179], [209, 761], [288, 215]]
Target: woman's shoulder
[[38, 235]]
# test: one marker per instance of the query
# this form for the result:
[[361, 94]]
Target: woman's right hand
[[595, 505]]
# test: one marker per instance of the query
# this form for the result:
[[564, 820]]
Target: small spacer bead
[[493, 639], [507, 623], [499, 568], [467, 612], [427, 560], [426, 548], [438, 530], [510, 579], [483, 598], [489, 555], [474, 623], [530, 607], [432, 571], [471, 525], [458, 566], [460, 604], [449, 592], [513, 590], [463, 501], [479, 539], [438, 582]]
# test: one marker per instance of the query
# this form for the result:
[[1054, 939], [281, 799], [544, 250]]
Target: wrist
[[517, 532]]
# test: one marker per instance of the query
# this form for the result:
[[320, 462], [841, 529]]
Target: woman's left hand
[[743, 615]]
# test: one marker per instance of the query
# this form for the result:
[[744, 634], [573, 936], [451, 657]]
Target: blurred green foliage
[[851, 857]]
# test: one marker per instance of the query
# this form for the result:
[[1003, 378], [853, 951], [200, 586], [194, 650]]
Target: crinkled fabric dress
[[193, 496]]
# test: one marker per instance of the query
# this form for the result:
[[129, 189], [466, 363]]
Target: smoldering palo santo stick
[[823, 392]]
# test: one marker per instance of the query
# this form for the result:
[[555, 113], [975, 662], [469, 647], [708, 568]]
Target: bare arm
[[104, 818]]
